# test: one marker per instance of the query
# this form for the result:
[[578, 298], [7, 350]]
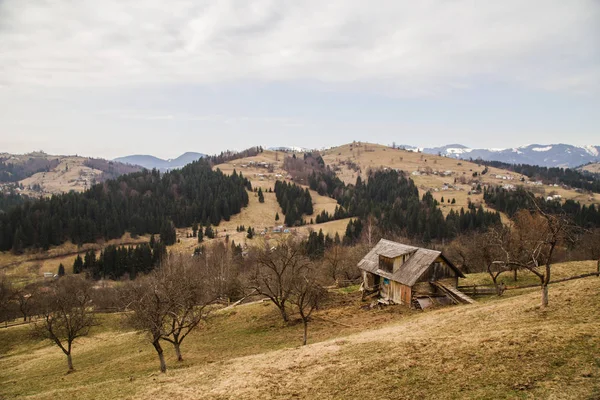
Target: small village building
[[411, 276]]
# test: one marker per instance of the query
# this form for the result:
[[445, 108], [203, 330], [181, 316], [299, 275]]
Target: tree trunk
[[283, 314], [70, 363], [161, 357], [305, 332], [515, 274], [598, 267], [178, 351], [544, 295]]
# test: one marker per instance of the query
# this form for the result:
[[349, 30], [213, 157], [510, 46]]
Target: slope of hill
[[443, 176], [593, 168], [552, 155], [499, 348], [43, 174], [151, 162]]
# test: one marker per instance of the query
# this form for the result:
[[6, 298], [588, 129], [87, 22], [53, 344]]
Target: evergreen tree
[[261, 197], [200, 236], [276, 216], [250, 234], [61, 270], [78, 265], [168, 235]]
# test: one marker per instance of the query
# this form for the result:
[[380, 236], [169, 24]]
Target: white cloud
[[400, 46]]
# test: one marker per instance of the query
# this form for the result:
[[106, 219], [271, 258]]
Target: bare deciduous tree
[[334, 260], [276, 269], [66, 313], [534, 238], [150, 308], [307, 293], [189, 290], [26, 298]]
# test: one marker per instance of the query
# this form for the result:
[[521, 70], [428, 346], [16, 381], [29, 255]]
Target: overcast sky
[[116, 77]]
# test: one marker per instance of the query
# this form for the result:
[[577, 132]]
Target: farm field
[[246, 353]]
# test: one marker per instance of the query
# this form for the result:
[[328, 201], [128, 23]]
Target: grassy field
[[32, 264], [498, 348]]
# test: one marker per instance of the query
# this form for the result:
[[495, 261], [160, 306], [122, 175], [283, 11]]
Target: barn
[[411, 276]]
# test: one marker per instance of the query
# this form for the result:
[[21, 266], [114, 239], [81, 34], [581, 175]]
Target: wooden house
[[412, 276]]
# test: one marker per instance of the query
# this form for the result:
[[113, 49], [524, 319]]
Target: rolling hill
[[498, 348], [42, 174]]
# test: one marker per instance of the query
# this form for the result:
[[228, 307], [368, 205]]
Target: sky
[[117, 77]]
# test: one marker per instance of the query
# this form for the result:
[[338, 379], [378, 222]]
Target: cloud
[[415, 48]]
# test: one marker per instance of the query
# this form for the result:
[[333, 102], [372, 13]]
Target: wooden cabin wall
[[438, 271], [399, 293]]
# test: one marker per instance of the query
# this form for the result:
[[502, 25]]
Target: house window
[[386, 264]]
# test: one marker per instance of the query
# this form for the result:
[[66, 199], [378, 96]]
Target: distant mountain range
[[289, 149], [151, 162], [551, 155]]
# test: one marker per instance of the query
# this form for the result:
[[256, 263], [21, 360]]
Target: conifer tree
[[261, 197], [61, 270], [78, 265]]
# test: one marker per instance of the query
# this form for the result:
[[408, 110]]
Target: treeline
[[511, 201], [324, 216], [226, 156], [116, 262], [294, 201], [552, 175], [14, 172], [140, 203]]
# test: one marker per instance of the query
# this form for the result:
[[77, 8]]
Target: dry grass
[[32, 264], [594, 168], [496, 349], [78, 177], [369, 155]]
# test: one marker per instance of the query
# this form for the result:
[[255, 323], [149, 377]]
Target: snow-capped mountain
[[288, 148], [551, 155]]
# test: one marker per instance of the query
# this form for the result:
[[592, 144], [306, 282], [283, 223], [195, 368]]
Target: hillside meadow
[[499, 348]]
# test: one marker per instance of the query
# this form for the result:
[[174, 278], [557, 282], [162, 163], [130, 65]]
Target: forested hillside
[[393, 200], [140, 203], [511, 201], [15, 171], [553, 175]]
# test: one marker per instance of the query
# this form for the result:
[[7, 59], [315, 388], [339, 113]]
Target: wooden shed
[[412, 276]]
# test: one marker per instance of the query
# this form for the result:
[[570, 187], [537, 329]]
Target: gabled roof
[[412, 269]]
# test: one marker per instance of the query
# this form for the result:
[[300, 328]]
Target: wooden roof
[[412, 269]]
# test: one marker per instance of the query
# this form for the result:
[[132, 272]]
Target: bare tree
[[151, 310], [589, 246], [276, 269], [307, 294], [26, 298], [535, 237], [189, 291], [334, 259], [66, 313]]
